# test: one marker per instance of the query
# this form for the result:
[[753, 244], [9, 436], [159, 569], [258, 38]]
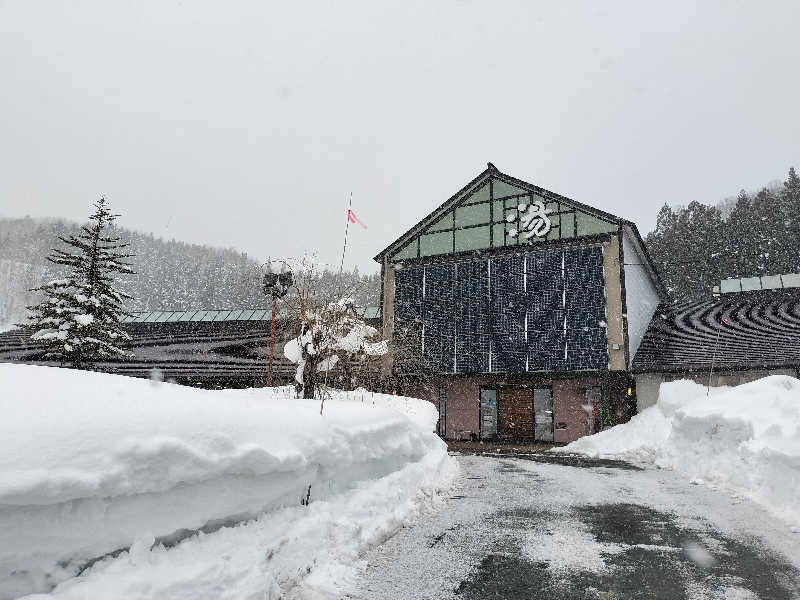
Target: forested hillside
[[170, 275], [697, 245]]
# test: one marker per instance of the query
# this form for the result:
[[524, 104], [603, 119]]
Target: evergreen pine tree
[[78, 319], [740, 262], [663, 244], [762, 233], [790, 199], [700, 229], [791, 186]]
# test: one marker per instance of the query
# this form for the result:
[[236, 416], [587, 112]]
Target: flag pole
[[341, 268], [344, 248]]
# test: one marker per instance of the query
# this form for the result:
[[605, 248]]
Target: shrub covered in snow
[[745, 438], [328, 334], [92, 465]]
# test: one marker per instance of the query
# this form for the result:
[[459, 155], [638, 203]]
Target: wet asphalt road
[[558, 528]]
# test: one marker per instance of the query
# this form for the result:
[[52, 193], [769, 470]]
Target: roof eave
[[487, 172]]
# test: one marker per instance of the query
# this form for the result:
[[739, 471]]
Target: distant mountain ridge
[[170, 275]]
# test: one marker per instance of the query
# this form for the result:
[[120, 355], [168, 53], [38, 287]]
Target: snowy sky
[[248, 124]]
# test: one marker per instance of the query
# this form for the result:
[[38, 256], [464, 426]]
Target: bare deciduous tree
[[333, 339]]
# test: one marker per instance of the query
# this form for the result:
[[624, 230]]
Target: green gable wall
[[481, 221]]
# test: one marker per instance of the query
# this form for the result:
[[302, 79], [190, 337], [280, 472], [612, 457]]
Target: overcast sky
[[248, 124]]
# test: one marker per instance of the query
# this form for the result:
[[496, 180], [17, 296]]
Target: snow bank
[[94, 464], [745, 439], [423, 413]]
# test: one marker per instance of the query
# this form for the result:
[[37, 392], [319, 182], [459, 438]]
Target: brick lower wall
[[461, 421]]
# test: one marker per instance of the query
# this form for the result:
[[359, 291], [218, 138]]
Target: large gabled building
[[518, 311]]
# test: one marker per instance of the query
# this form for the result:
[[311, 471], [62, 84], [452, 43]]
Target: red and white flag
[[351, 216]]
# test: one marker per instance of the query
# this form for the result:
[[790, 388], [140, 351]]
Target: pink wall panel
[[568, 400], [462, 407]]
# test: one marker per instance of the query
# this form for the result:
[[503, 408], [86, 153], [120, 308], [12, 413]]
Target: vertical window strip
[[525, 274], [455, 336], [423, 314], [491, 213], [525, 289], [564, 300], [526, 325], [489, 312]]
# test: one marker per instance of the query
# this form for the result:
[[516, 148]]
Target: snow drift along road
[[91, 464], [745, 439]]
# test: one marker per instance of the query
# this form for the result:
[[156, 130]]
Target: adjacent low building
[[203, 348], [518, 311], [750, 329]]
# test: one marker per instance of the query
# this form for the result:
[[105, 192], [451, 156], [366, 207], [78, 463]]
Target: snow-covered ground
[[96, 466], [745, 439], [548, 527]]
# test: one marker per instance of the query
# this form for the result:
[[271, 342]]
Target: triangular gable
[[490, 213]]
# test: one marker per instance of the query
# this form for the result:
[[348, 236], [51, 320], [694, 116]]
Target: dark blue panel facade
[[507, 315], [438, 311], [472, 309], [408, 316], [543, 311], [407, 296], [545, 295], [587, 344]]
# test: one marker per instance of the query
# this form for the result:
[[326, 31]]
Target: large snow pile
[[96, 469], [745, 439]]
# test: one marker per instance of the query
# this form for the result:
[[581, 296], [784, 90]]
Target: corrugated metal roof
[[370, 312], [764, 282], [747, 330], [247, 314]]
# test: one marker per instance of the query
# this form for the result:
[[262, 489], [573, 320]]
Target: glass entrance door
[[543, 414], [488, 414], [443, 411]]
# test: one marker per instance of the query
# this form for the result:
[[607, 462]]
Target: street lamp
[[276, 285]]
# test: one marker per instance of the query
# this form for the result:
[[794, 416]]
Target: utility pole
[[276, 285], [716, 344]]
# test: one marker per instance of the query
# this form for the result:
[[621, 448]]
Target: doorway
[[543, 413], [442, 426], [488, 414], [515, 414]]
